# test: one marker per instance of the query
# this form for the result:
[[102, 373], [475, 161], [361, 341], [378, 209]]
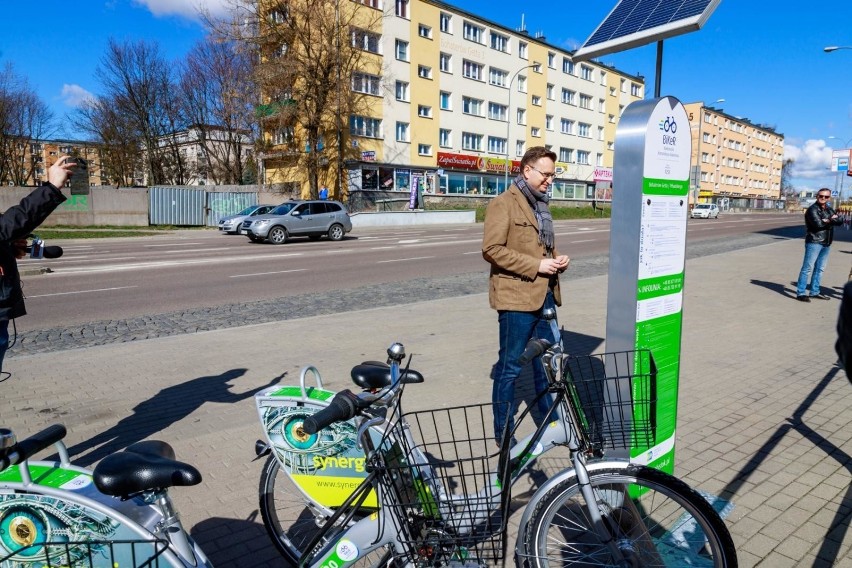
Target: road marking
[[404, 259], [473, 252], [409, 241], [583, 241], [200, 250], [81, 292], [169, 263], [174, 244], [265, 273]]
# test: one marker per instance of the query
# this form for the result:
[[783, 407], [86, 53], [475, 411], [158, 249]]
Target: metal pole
[[339, 183], [657, 79]]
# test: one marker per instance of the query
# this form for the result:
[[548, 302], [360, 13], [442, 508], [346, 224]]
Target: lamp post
[[697, 170], [831, 48], [509, 123]]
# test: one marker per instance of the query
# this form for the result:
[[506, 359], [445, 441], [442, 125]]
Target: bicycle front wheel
[[654, 519], [290, 518]]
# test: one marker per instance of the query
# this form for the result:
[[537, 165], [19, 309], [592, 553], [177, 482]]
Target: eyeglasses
[[823, 196], [546, 176]]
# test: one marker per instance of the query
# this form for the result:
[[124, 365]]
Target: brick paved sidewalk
[[764, 414]]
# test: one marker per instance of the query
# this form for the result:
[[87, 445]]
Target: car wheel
[[277, 235], [336, 232]]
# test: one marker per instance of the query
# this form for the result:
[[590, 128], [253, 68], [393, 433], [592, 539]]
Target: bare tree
[[316, 64], [24, 119], [120, 149], [219, 96], [139, 82]]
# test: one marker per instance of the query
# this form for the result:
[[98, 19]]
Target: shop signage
[[603, 174], [465, 162], [368, 156]]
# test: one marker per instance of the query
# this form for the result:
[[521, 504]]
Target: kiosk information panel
[[647, 252]]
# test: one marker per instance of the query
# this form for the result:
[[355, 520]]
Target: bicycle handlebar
[[343, 406], [535, 347], [37, 442]]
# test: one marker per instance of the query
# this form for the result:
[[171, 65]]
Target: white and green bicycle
[[348, 483]]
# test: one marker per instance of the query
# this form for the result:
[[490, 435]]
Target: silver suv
[[300, 218]]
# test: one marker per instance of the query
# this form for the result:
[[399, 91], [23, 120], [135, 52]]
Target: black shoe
[[803, 298], [821, 297]]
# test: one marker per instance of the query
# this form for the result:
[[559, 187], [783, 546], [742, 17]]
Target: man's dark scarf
[[538, 202]]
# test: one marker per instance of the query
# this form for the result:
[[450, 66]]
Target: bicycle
[[444, 501], [53, 513]]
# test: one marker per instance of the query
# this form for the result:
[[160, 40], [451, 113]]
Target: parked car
[[233, 224], [300, 218], [705, 211]]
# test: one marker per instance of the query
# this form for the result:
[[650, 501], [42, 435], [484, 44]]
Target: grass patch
[[559, 213], [57, 232]]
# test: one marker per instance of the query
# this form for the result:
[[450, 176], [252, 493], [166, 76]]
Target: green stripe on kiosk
[[647, 253]]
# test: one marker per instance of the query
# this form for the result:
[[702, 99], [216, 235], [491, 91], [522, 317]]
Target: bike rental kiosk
[[647, 253]]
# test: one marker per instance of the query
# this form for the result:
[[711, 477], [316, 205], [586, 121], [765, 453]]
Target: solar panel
[[637, 22]]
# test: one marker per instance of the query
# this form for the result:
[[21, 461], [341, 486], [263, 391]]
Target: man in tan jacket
[[519, 243]]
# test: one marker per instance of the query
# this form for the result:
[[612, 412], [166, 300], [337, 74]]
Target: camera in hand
[[81, 163], [79, 182], [39, 250]]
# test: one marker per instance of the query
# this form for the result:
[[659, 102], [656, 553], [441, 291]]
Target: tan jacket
[[510, 243]]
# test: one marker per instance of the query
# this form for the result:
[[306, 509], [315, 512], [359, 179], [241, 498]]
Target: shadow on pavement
[[776, 287], [239, 543], [170, 405], [830, 548]]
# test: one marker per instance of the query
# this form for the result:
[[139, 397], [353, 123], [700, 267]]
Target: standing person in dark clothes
[[820, 220], [16, 223]]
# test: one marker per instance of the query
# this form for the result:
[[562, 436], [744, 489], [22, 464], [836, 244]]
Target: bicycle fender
[[559, 477]]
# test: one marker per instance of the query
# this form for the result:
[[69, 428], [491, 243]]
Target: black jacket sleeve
[[844, 331], [20, 220]]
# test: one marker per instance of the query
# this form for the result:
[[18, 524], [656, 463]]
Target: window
[[445, 138], [281, 51], [368, 41], [471, 141], [601, 105], [522, 84], [472, 106], [566, 155], [603, 77], [402, 130], [522, 116], [365, 126], [551, 60], [365, 83], [472, 70], [424, 72], [586, 72], [536, 100], [424, 110], [520, 146], [497, 145], [548, 122], [623, 86], [499, 42], [600, 133], [401, 50], [473, 32], [424, 31], [498, 77], [424, 149], [402, 91], [535, 132], [582, 157], [278, 15], [584, 130], [371, 3], [402, 8], [445, 62], [585, 101], [497, 111], [446, 100], [568, 96], [567, 127], [634, 90], [550, 95], [446, 23], [283, 135], [568, 66], [536, 67]]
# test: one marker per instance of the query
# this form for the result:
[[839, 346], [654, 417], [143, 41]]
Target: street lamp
[[509, 122], [831, 48]]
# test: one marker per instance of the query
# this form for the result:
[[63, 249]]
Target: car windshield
[[702, 207], [247, 210], [283, 209]]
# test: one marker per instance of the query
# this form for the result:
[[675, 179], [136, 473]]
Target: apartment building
[[461, 98], [735, 161], [39, 156]]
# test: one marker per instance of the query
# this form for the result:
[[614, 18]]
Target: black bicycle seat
[[141, 467], [376, 375]]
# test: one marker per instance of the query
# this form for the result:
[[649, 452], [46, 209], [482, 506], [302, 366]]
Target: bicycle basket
[[88, 554], [446, 488], [615, 394]]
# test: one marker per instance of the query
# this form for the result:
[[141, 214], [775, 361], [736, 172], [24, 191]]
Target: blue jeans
[[816, 255], [516, 329], [4, 340]]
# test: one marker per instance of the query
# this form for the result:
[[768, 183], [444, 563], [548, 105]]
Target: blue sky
[[765, 58]]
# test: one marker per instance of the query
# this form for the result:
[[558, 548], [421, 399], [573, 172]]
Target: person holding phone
[[15, 224]]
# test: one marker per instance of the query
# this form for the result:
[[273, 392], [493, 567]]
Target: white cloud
[[75, 95], [810, 160], [186, 8]]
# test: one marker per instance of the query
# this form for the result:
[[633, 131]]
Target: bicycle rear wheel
[[291, 519], [655, 520]]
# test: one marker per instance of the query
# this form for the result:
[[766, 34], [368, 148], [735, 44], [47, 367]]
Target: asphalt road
[[109, 290]]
